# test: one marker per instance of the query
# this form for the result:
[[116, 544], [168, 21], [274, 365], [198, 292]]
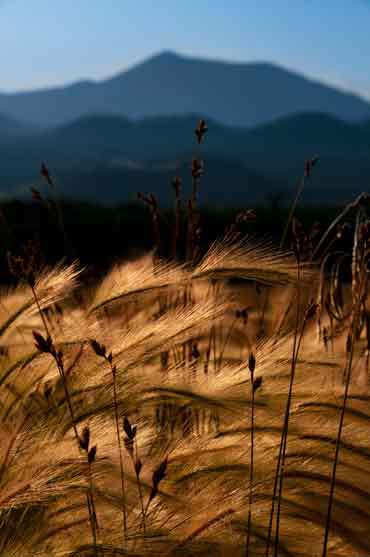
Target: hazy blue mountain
[[114, 184], [11, 128], [282, 145], [225, 182], [166, 84], [307, 129], [119, 141], [111, 157]]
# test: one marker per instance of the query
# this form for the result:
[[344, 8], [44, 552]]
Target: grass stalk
[[355, 322], [251, 466], [292, 210], [120, 452], [140, 491], [285, 431], [60, 366], [281, 445]]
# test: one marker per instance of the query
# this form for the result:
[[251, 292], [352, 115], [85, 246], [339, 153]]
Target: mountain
[[117, 141], [111, 157], [234, 94], [13, 129], [281, 146], [109, 184], [113, 184]]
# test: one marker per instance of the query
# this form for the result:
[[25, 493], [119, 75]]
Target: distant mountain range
[[109, 158], [166, 84], [107, 140], [10, 128]]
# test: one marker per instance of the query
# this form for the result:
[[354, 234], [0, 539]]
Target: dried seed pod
[[314, 160], [325, 337], [257, 383], [195, 351], [201, 130], [45, 173], [158, 475], [138, 467], [349, 343], [129, 430], [197, 168], [99, 349], [42, 344], [251, 362], [308, 166], [92, 454], [84, 440]]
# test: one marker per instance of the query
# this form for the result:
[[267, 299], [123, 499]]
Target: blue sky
[[52, 42]]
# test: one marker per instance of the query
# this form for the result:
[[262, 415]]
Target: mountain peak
[[168, 83], [167, 54], [163, 56]]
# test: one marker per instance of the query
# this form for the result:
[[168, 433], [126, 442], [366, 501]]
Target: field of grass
[[192, 401]]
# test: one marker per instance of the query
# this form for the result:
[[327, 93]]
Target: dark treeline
[[97, 235]]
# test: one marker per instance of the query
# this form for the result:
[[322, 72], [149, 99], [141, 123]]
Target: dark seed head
[[92, 454], [251, 362], [257, 383], [138, 467], [129, 430], [84, 440], [42, 344], [99, 349]]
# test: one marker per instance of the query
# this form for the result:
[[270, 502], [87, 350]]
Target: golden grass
[[151, 315]]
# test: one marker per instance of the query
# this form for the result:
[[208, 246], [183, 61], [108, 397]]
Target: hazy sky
[[51, 42]]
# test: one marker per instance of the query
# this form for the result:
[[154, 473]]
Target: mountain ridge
[[145, 153], [245, 94]]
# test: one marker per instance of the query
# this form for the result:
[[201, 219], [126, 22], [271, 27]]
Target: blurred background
[[107, 95]]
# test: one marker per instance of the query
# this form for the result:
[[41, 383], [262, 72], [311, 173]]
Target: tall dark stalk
[[59, 213], [122, 473], [47, 345], [94, 521], [251, 365], [352, 340], [278, 465], [101, 351], [138, 466], [309, 164], [279, 473], [292, 210], [58, 361], [131, 447], [311, 310]]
